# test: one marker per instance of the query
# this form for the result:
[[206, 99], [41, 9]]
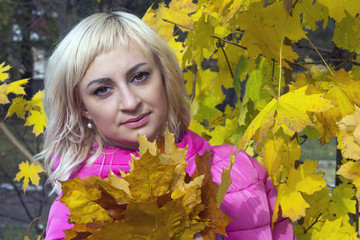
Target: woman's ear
[[85, 113], [83, 110]]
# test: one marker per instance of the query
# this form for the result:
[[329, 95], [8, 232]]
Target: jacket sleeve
[[57, 221], [282, 228]]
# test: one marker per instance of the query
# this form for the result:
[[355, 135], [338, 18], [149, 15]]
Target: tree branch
[[213, 36], [17, 192], [13, 218], [307, 46], [332, 60], [194, 70], [226, 58], [16, 3], [15, 141]]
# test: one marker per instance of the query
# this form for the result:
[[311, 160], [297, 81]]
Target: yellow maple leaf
[[300, 180], [3, 70], [350, 125], [278, 153], [36, 100], [3, 95], [344, 92], [18, 106], [177, 47], [78, 196], [16, 87], [29, 172], [177, 12], [284, 23], [351, 170], [224, 9], [36, 118], [291, 114], [337, 229], [255, 30]]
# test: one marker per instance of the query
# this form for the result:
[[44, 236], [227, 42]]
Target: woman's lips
[[137, 122]]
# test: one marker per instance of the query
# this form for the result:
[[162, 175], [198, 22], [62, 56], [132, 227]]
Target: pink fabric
[[250, 198]]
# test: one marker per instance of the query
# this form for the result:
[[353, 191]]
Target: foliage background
[[272, 84]]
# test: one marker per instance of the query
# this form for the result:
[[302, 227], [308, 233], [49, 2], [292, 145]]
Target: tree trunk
[[26, 54]]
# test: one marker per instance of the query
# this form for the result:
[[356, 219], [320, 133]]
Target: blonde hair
[[67, 137]]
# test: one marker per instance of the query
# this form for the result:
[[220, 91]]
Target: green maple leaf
[[338, 9], [312, 13], [341, 201], [347, 33]]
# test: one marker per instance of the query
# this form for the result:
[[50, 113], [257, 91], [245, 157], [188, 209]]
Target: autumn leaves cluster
[[155, 200]]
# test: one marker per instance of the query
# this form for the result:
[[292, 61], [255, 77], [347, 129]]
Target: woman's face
[[123, 94]]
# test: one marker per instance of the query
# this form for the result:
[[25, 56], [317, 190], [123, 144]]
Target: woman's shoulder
[[246, 170]]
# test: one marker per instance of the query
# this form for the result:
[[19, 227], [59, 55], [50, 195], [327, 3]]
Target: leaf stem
[[357, 217], [315, 221], [320, 56], [29, 226], [332, 60], [280, 67]]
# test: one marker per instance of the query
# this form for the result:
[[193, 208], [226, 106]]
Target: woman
[[112, 78]]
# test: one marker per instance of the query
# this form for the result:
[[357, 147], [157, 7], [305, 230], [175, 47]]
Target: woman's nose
[[129, 99]]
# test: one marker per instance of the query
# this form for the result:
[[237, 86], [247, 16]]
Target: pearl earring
[[89, 125]]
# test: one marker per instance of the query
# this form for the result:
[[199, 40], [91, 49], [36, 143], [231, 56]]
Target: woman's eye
[[101, 91], [140, 76]]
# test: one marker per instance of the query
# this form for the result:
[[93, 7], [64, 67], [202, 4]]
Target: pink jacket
[[250, 198]]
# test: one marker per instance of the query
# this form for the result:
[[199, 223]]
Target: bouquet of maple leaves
[[157, 199]]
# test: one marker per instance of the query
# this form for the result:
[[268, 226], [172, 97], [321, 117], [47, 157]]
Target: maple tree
[[277, 107], [283, 97]]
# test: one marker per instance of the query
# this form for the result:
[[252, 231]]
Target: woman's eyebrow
[[100, 80], [132, 69]]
